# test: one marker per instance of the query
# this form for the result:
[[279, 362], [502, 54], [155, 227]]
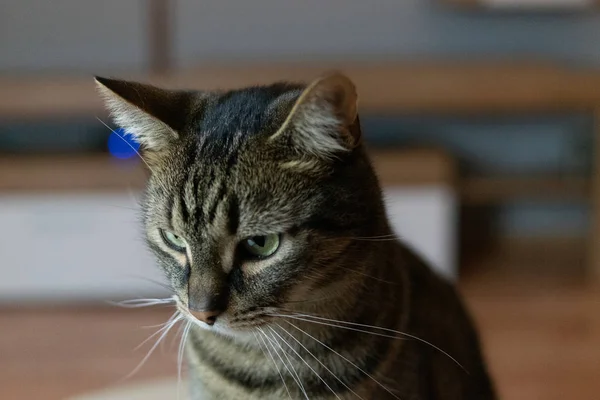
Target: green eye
[[261, 246], [172, 240]]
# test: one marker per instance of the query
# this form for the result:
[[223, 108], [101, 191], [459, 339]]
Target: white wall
[[426, 219], [90, 247], [79, 246]]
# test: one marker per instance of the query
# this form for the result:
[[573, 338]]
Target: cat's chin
[[242, 335]]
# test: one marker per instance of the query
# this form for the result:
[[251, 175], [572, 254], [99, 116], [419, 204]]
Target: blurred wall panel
[[214, 29], [72, 35], [426, 219], [74, 246]]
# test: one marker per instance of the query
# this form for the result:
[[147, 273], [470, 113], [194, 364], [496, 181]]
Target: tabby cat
[[264, 211]]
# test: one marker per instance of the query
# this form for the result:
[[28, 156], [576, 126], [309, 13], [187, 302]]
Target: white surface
[[426, 219], [63, 247], [159, 390], [72, 246]]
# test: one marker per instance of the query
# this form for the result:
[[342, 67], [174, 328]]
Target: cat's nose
[[208, 317], [208, 308]]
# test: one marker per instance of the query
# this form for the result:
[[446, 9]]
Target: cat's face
[[250, 197], [234, 237]]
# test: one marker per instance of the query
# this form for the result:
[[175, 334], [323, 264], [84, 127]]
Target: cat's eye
[[174, 241], [261, 246]]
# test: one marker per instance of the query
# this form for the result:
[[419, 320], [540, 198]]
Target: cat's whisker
[[178, 334], [366, 275], [180, 354], [339, 326], [154, 326], [316, 359], [163, 324], [387, 236], [260, 345], [125, 141], [166, 325], [157, 325], [375, 239], [261, 332], [150, 280], [307, 300], [344, 358], [310, 367], [139, 303], [161, 337], [294, 375], [319, 320], [122, 207]]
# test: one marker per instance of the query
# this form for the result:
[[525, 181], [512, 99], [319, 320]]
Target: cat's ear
[[324, 120], [154, 117]]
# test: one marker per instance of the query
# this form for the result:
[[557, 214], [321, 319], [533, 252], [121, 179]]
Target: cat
[[264, 211]]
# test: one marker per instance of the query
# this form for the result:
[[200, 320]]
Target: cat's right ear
[[154, 117], [323, 122]]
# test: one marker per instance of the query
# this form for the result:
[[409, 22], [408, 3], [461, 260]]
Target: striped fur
[[286, 159]]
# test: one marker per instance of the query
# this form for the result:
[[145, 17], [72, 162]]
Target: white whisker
[[161, 337], [344, 358], [375, 238], [387, 235], [166, 325], [309, 318], [311, 368], [337, 326], [180, 354], [139, 303], [155, 326], [274, 362], [390, 239], [178, 334], [366, 275], [129, 144], [313, 356], [294, 375]]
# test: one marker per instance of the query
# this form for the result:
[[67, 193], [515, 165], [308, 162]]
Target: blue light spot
[[121, 145]]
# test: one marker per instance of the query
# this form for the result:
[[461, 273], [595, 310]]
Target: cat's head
[[254, 194]]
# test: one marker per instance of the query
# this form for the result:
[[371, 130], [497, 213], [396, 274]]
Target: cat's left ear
[[154, 117], [324, 120]]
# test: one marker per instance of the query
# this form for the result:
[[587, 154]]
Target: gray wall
[[91, 36], [387, 28], [72, 35]]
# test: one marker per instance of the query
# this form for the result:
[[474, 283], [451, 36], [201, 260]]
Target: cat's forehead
[[218, 189], [249, 111]]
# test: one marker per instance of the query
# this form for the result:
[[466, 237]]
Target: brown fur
[[342, 309]]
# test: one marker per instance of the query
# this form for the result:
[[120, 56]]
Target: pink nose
[[208, 317]]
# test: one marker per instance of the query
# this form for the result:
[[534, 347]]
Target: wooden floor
[[542, 337]]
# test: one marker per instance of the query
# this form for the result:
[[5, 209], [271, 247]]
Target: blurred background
[[481, 117]]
